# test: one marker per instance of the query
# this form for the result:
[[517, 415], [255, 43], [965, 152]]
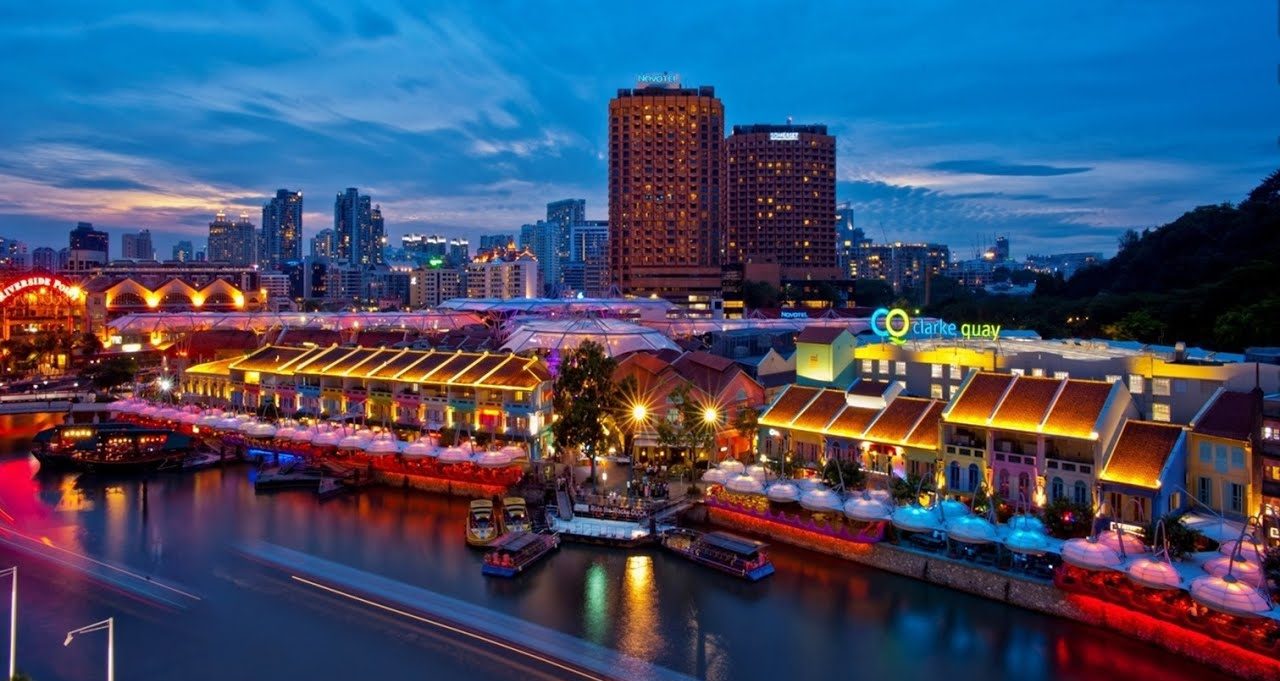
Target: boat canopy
[[514, 542], [732, 542]]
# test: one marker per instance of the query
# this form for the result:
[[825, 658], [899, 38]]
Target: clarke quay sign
[[894, 325]]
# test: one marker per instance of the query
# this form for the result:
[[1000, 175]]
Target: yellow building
[[1222, 471]]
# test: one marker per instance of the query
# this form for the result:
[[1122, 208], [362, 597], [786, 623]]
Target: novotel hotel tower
[[780, 199], [665, 181]]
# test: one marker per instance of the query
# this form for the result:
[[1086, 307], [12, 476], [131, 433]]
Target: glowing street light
[[110, 625], [639, 413], [164, 384], [710, 415]]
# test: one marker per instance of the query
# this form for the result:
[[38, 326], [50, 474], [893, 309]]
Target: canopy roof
[[1069, 407], [648, 308], [426, 320], [904, 421], [618, 337], [1140, 453]]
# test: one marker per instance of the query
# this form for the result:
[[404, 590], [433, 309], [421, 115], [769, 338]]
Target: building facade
[[88, 248], [430, 286], [904, 266], [233, 243], [184, 251], [44, 259], [358, 229], [137, 246], [324, 245], [780, 199], [665, 183], [281, 230], [509, 274]]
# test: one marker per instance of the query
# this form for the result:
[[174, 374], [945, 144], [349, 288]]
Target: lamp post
[[639, 415], [110, 625], [710, 417], [13, 620]]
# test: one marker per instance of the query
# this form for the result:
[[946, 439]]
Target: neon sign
[[894, 325], [784, 137], [17, 286], [658, 79]]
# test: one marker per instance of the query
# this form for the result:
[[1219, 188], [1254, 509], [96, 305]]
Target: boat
[[728, 553], [515, 515], [200, 461], [482, 525], [515, 551], [53, 447], [289, 476], [331, 487], [111, 451]]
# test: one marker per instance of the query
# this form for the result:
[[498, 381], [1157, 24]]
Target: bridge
[[52, 402]]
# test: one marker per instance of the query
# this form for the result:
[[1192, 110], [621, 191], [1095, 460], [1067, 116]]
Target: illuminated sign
[[790, 314], [19, 285], [645, 79], [784, 137], [895, 324]]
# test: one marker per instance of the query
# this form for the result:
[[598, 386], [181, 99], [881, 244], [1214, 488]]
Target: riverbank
[[1010, 589]]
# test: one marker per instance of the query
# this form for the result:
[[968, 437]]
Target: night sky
[[1059, 125]]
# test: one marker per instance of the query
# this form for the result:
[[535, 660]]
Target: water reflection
[[595, 604], [638, 619]]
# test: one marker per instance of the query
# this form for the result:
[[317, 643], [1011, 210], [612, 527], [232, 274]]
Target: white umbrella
[[1230, 595], [1244, 570], [915, 518], [246, 425], [454, 455], [170, 413], [260, 429], [953, 508], [210, 418], [228, 422], [971, 530], [1154, 573], [783, 492], [715, 476], [286, 431], [190, 417], [863, 507], [354, 441], [492, 459], [1029, 542], [420, 447], [757, 471], [1247, 549], [326, 438], [1024, 521], [820, 500], [732, 466], [744, 484], [383, 444], [514, 451], [1132, 545], [1090, 554]]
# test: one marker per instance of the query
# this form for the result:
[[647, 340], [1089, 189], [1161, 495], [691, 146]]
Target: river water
[[816, 618]]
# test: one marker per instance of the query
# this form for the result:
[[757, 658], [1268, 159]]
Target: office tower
[[430, 286], [88, 248], [459, 252], [780, 199], [184, 251], [567, 211], [13, 254], [903, 266], [281, 230], [848, 236], [507, 274], [234, 243], [490, 242], [588, 267], [44, 259], [137, 246], [357, 229], [324, 245], [202, 255], [541, 239], [665, 179]]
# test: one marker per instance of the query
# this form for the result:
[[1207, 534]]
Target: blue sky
[[1059, 124]]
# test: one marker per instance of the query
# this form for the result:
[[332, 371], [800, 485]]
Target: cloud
[[990, 167]]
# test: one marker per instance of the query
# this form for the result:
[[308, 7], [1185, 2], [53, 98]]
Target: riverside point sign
[[894, 325], [17, 286]]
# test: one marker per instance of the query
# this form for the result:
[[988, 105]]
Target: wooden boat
[[515, 551], [130, 450], [728, 553], [72, 446], [482, 524], [515, 515]]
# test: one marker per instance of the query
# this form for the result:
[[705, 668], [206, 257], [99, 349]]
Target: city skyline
[[940, 137]]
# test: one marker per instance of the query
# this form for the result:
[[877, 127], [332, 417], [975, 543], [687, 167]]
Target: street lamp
[[639, 415], [710, 416], [13, 620], [110, 625]]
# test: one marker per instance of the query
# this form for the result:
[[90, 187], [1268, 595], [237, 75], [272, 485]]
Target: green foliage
[[111, 372], [1271, 565], [1065, 519], [908, 488], [686, 427], [1182, 539], [872, 292], [584, 393], [747, 423], [758, 294], [843, 474]]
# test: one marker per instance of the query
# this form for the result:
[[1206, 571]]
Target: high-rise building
[[89, 248], [588, 267], [541, 238], [780, 199], [324, 245], [13, 254], [489, 242], [423, 248], [44, 259], [307, 278], [665, 180], [848, 236], [903, 266], [459, 252], [357, 229], [567, 211], [234, 243], [183, 251], [281, 230], [430, 286], [137, 246], [506, 274]]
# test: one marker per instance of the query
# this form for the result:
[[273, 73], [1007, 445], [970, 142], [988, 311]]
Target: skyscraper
[[88, 248], [588, 267], [281, 230], [324, 245], [137, 246], [13, 254], [780, 201], [488, 242], [232, 242], [183, 251], [848, 236], [357, 229], [665, 179], [44, 259]]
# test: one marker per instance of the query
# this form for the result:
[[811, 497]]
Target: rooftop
[[1230, 415], [1140, 453]]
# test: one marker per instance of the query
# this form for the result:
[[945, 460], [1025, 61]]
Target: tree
[[747, 423], [872, 292], [1139, 325], [1065, 519], [758, 294], [1182, 539], [1271, 565], [909, 488], [686, 425], [112, 372], [843, 474], [583, 394]]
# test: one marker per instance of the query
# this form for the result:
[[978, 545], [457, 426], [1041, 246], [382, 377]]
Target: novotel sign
[[658, 79], [894, 325], [19, 285], [784, 137]]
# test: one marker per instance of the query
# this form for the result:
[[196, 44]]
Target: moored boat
[[515, 515], [111, 448], [515, 551], [288, 477], [53, 447], [728, 553], [482, 524]]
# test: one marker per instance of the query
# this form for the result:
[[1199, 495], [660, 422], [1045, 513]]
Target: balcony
[[966, 450]]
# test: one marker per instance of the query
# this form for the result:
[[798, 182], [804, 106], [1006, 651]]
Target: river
[[816, 618]]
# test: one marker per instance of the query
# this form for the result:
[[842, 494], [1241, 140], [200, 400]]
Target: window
[[1204, 491], [1160, 387], [935, 371], [956, 371], [1018, 372], [1206, 453], [868, 366], [900, 368], [1179, 386], [1004, 484], [1061, 375], [1235, 497], [1135, 384], [1237, 457], [884, 367], [1160, 412], [1037, 372], [1113, 378], [1271, 472], [953, 475], [974, 477], [1220, 458], [1080, 493], [1056, 489], [1024, 487], [935, 391]]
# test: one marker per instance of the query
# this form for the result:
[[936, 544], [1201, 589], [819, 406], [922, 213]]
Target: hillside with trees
[[1209, 278]]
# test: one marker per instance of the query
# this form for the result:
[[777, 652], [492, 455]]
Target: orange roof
[[271, 358], [1078, 407], [898, 419], [852, 422], [480, 369], [1140, 453], [315, 363], [399, 364], [925, 435], [1231, 416], [446, 367], [351, 360], [788, 405], [979, 399], [1026, 403], [820, 411]]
